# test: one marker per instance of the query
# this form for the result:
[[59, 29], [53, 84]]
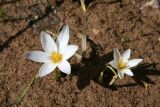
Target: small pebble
[[96, 31]]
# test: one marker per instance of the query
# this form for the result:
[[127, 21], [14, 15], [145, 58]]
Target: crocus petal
[[120, 74], [38, 56], [47, 42], [133, 62], [69, 51], [113, 64], [127, 71], [117, 55], [65, 67], [126, 54], [46, 68], [63, 38]]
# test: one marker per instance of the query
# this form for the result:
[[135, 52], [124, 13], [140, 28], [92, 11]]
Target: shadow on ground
[[30, 24], [95, 64], [92, 66], [141, 73], [4, 2]]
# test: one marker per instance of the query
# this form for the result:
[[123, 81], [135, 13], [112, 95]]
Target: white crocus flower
[[56, 53], [122, 63]]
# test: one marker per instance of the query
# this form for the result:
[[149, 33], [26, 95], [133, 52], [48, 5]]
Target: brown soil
[[108, 25]]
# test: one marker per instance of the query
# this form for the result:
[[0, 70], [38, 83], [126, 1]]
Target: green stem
[[83, 5], [100, 78], [113, 79], [24, 92], [111, 69], [115, 75], [57, 74]]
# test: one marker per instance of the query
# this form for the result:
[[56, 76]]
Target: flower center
[[121, 63], [56, 57]]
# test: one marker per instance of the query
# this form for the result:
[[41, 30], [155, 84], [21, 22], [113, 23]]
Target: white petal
[[127, 71], [113, 64], [46, 69], [120, 74], [47, 42], [126, 54], [38, 56], [133, 62], [117, 55], [69, 51], [65, 67], [63, 38]]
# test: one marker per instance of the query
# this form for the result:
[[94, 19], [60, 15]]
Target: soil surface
[[108, 24]]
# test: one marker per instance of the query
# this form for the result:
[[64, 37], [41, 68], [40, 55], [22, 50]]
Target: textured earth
[[107, 24]]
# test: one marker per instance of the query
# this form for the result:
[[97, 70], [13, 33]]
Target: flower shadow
[[92, 66], [95, 64], [141, 73]]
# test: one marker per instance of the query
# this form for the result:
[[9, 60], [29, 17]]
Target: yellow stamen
[[56, 57], [121, 63]]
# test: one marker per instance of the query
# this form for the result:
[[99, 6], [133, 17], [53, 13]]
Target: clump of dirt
[[107, 25]]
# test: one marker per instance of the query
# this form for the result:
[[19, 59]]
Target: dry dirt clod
[[152, 3], [96, 31]]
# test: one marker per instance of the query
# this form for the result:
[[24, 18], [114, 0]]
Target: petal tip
[[76, 47], [131, 74], [111, 62], [66, 28], [42, 33], [129, 50], [39, 75], [115, 49], [139, 60], [27, 54], [69, 72], [120, 75]]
